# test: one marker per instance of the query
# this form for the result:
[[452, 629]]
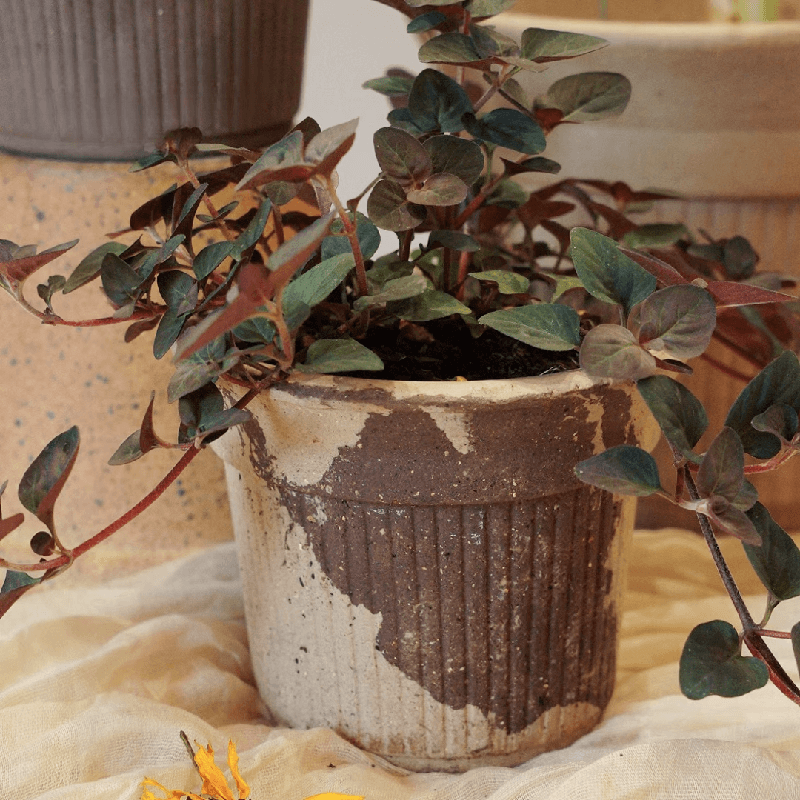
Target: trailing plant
[[258, 269]]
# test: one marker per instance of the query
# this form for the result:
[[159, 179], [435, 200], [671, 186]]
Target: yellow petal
[[173, 794], [334, 796], [233, 763], [214, 783]]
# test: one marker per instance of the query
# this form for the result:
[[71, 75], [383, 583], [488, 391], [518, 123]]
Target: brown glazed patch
[[488, 568]]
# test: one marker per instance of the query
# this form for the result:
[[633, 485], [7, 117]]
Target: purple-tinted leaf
[[45, 477], [389, 208], [439, 190], [795, 634], [780, 420], [711, 663], [282, 161], [609, 351], [535, 164], [488, 8], [252, 233], [460, 157], [777, 560], [121, 282], [732, 520], [450, 48], [739, 258], [16, 270], [328, 147], [548, 326], [721, 472], [623, 469], [777, 384], [677, 322], [588, 96], [679, 413], [455, 240], [400, 156]]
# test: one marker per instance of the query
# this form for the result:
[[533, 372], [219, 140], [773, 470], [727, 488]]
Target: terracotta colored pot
[[105, 79], [715, 116], [422, 571]]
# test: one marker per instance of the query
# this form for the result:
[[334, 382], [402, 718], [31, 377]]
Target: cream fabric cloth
[[95, 685]]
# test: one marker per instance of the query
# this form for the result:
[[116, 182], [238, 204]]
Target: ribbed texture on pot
[[104, 79]]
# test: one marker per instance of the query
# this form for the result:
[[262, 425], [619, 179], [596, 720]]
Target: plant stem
[[352, 236]]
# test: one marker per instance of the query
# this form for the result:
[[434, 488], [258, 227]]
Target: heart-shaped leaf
[[89, 267], [777, 560], [777, 384], [607, 273], [780, 420], [442, 189], [424, 22], [679, 413], [538, 44], [397, 289], [712, 663], [677, 322], [431, 304], [623, 469], [400, 155], [721, 471], [609, 351], [456, 156], [508, 282], [388, 207], [45, 477], [450, 48], [732, 519], [548, 326], [336, 243], [437, 102]]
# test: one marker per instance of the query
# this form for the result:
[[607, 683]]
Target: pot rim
[[492, 391], [678, 35]]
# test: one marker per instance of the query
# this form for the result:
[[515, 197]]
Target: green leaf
[[121, 282], [313, 286], [437, 102], [721, 471], [535, 164], [397, 289], [711, 663], [150, 160], [739, 258], [179, 290], [154, 257], [777, 560], [679, 413], [607, 273], [252, 233], [439, 190], [210, 257], [655, 234], [45, 477], [623, 469], [780, 420], [450, 48], [538, 44], [461, 157], [548, 326], [425, 22], [731, 519], [339, 355], [328, 147], [431, 304], [588, 96], [17, 580], [677, 322], [391, 85], [401, 118], [198, 369], [400, 156], [389, 208], [277, 160], [777, 384], [509, 128], [455, 240], [610, 351], [488, 8], [89, 267], [795, 634], [336, 243]]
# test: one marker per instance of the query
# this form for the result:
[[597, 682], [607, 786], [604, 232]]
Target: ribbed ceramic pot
[[714, 115], [105, 79], [422, 571]]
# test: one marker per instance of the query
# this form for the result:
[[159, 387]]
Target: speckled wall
[[53, 378]]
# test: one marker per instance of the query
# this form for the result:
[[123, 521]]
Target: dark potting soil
[[445, 349]]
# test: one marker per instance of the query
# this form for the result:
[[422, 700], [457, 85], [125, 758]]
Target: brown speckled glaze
[[436, 585], [105, 79]]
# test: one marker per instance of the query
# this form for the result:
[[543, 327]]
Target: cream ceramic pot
[[422, 571]]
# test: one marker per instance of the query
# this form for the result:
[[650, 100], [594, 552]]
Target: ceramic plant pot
[[714, 116], [422, 571], [105, 79]]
